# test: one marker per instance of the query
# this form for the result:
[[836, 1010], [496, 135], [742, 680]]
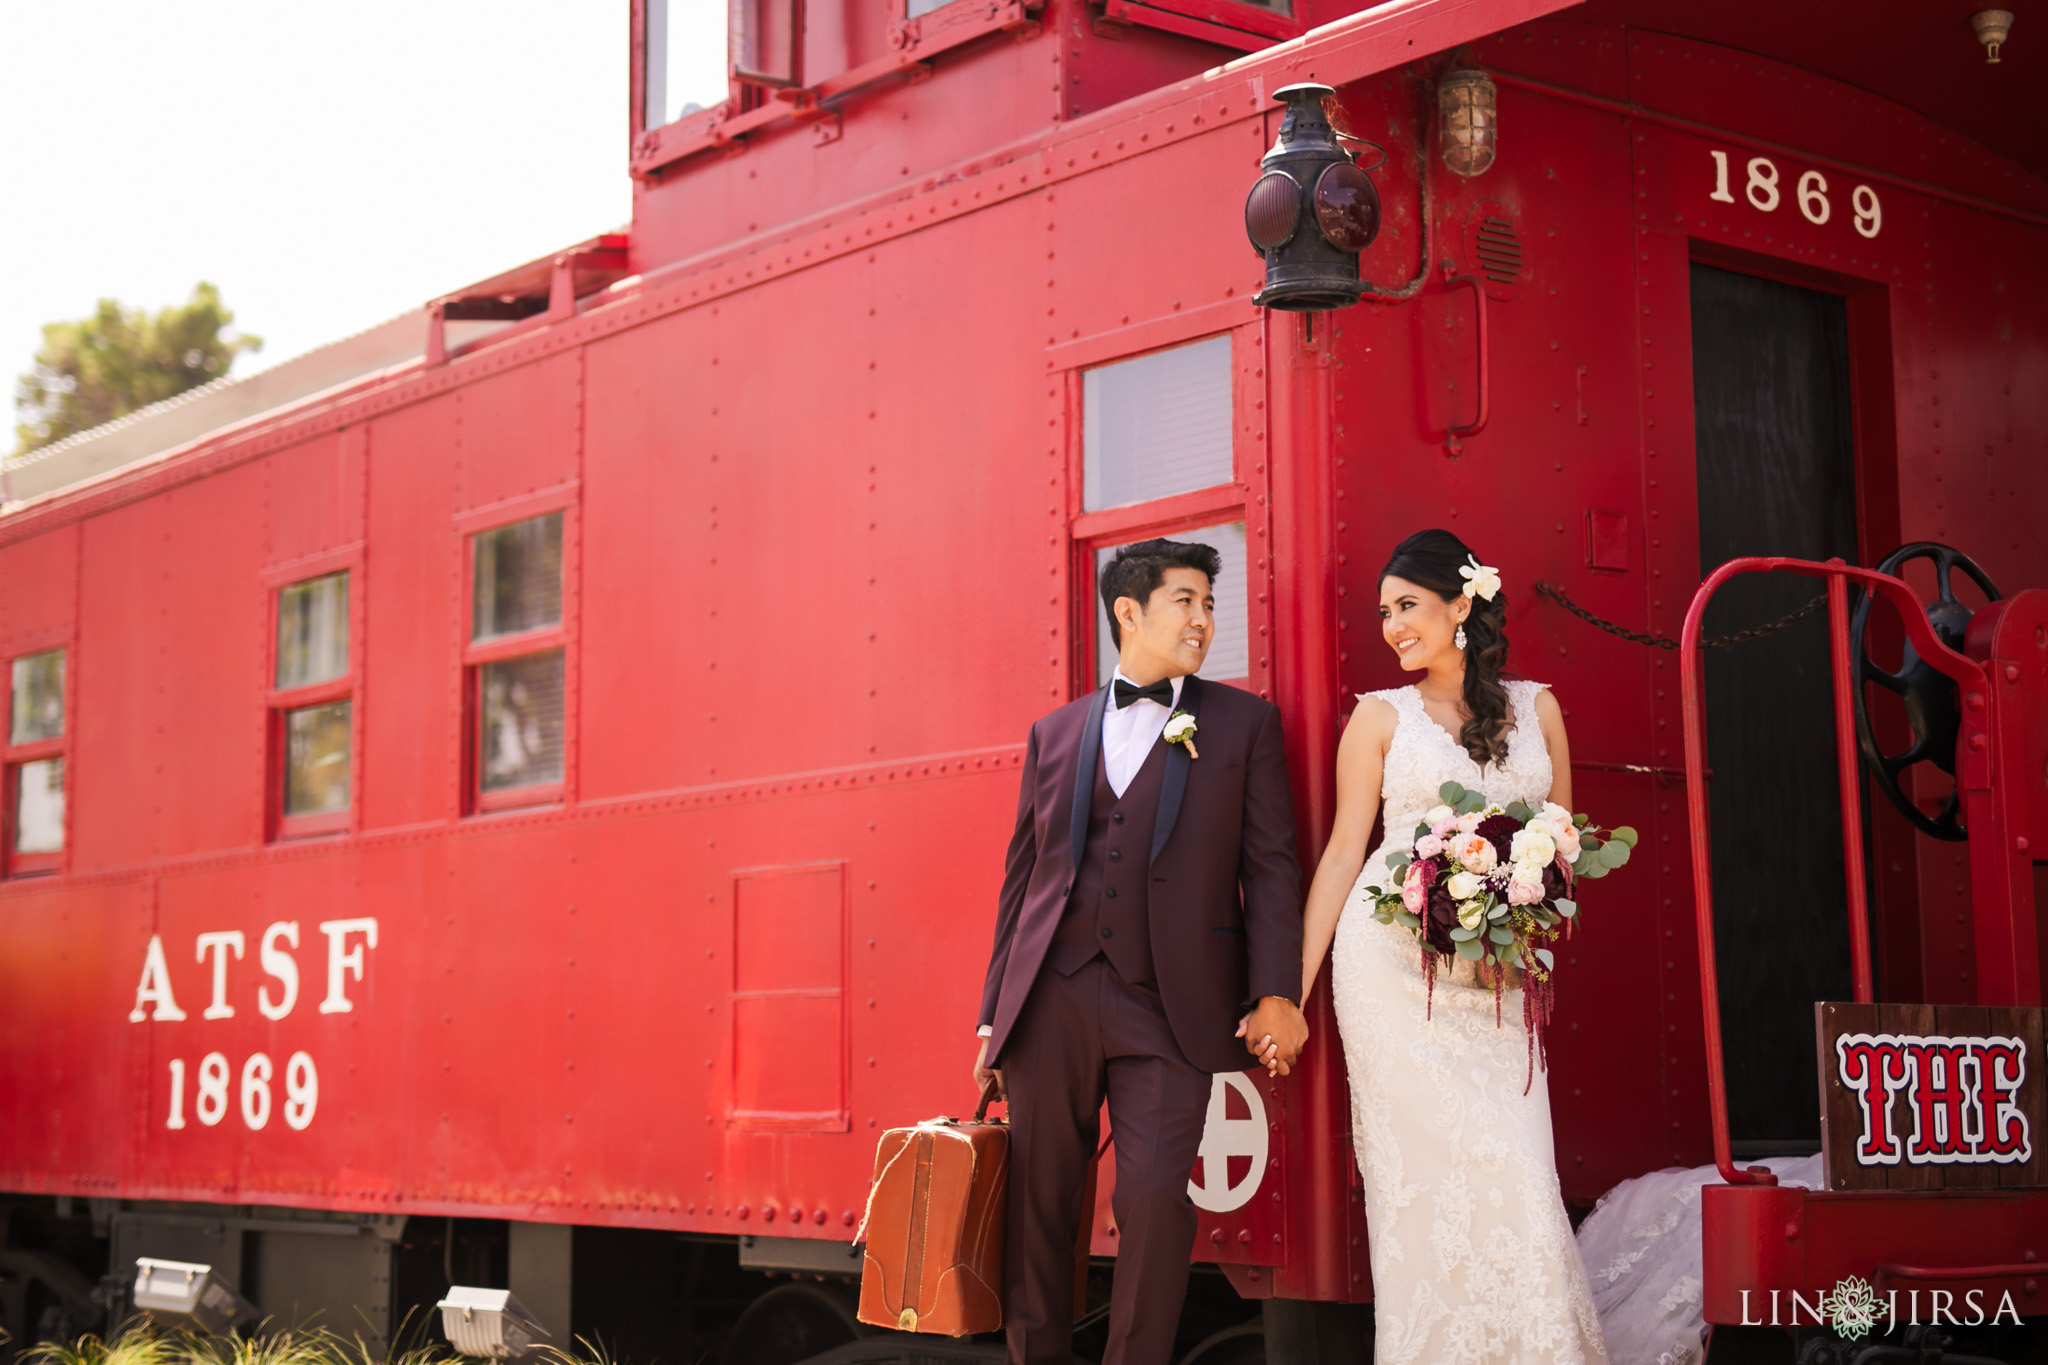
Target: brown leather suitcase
[[934, 1226]]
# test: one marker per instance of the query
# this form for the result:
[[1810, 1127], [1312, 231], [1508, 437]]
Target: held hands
[[1275, 1033]]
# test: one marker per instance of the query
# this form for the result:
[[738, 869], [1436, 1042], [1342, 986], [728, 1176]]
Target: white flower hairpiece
[[1481, 580]]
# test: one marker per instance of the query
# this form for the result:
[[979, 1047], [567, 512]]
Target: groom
[[1150, 917]]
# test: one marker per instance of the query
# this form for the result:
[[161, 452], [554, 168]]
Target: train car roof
[[1924, 58]]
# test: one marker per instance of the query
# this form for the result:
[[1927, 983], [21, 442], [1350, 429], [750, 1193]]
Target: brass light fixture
[[1468, 110], [1992, 26]]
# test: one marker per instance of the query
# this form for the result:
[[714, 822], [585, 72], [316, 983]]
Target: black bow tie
[[1128, 692]]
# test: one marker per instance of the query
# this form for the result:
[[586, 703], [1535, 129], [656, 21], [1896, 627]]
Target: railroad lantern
[[1311, 212]]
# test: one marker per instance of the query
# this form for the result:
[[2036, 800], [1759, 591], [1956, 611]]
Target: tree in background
[[120, 359]]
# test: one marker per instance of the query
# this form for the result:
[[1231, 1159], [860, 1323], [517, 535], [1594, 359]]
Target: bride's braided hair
[[1431, 559]]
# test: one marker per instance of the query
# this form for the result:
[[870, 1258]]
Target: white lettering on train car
[[217, 943], [343, 959], [349, 942], [281, 965], [301, 1090], [1762, 192], [154, 990]]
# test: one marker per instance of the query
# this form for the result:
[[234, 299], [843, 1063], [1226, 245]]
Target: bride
[[1472, 1255]]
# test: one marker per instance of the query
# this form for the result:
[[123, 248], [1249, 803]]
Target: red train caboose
[[478, 804]]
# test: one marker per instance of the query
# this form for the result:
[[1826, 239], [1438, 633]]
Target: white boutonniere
[[1180, 729]]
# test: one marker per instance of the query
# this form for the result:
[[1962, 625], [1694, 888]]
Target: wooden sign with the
[[1931, 1097]]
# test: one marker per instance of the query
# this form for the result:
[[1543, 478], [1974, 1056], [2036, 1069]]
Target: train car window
[[518, 578], [684, 69], [520, 721], [917, 7], [34, 768], [1230, 648], [312, 705], [312, 631], [516, 664], [39, 806], [38, 703], [1156, 425], [316, 762]]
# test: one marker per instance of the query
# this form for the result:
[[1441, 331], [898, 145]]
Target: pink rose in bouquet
[[1474, 852]]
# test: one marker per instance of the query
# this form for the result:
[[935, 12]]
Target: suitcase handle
[[990, 1093]]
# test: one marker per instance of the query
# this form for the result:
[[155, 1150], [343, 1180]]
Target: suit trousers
[[1078, 1039]]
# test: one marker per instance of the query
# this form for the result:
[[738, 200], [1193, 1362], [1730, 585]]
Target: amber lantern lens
[[1347, 207], [1273, 210]]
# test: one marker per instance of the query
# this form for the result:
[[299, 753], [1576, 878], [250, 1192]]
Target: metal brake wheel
[[1928, 694]]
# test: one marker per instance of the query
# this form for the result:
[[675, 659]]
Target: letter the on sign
[[1875, 1068], [1944, 1099], [2002, 1069]]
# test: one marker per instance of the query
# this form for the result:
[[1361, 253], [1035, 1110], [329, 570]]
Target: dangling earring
[[1459, 638]]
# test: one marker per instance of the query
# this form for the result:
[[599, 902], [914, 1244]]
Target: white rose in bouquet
[[1563, 832], [1532, 846]]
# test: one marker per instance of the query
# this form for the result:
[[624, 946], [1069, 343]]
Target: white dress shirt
[[1129, 732]]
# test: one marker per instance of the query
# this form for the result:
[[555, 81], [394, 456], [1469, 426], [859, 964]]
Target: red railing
[[1912, 614]]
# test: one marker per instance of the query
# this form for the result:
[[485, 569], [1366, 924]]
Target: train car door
[[1776, 470]]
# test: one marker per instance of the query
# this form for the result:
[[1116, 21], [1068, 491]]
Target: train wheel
[[1244, 1344], [792, 1322]]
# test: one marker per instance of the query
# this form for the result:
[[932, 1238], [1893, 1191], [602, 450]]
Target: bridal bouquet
[[1494, 885]]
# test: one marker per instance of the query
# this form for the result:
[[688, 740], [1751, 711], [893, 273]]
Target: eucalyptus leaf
[[1518, 811], [1567, 908], [1590, 869], [1470, 950], [1450, 793], [1510, 955], [1406, 919], [1627, 834], [1472, 804], [1549, 962], [1581, 818], [1614, 854], [1497, 912], [1589, 842], [1500, 933], [1459, 935]]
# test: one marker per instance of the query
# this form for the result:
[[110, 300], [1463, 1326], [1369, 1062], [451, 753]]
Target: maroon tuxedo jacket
[[1225, 889]]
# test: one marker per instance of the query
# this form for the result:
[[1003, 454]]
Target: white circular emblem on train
[[1224, 1137]]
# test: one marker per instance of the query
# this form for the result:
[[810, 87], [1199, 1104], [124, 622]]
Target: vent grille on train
[[1499, 250]]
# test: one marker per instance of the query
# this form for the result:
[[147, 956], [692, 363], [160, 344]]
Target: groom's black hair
[[1137, 571]]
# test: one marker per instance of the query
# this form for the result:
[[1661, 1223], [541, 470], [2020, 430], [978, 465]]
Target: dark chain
[[1740, 637]]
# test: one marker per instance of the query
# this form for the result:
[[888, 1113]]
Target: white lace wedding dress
[[1642, 1249], [1472, 1254]]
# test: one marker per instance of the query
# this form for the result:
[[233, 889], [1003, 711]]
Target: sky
[[327, 166]]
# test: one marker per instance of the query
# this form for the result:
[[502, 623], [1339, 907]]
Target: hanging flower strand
[[1481, 580]]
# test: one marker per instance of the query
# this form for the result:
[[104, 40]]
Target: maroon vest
[[1107, 912]]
